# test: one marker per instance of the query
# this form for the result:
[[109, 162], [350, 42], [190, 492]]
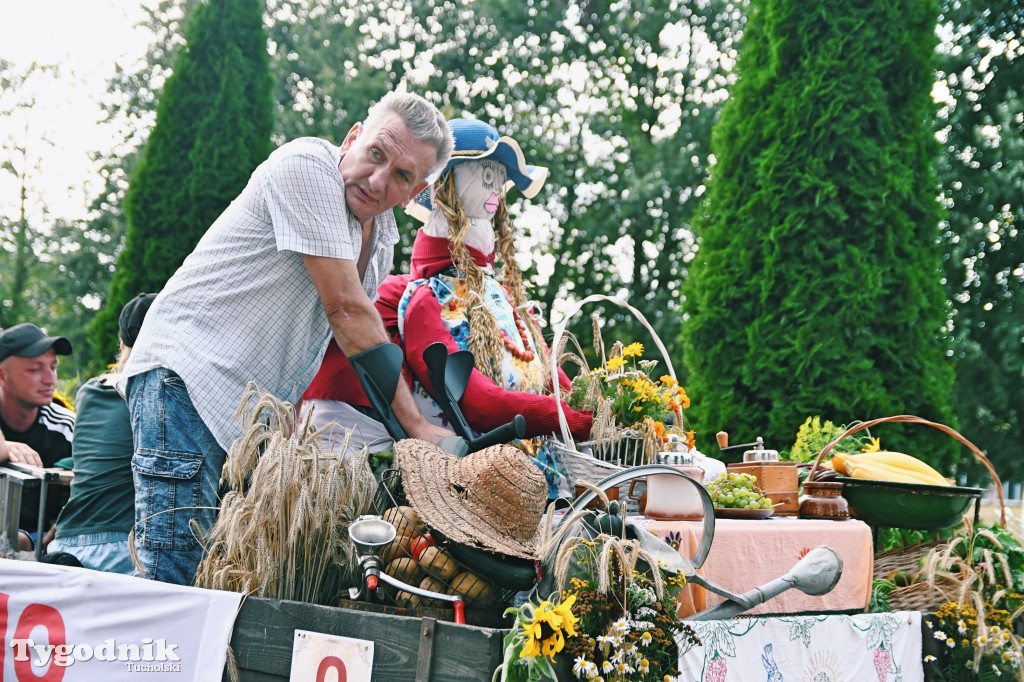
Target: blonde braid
[[512, 278], [484, 336]]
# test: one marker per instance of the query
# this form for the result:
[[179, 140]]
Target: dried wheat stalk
[[282, 531]]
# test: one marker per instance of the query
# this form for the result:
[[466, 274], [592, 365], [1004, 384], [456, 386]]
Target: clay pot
[[823, 500]]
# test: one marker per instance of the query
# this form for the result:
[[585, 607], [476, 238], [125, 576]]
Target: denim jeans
[[176, 468], [98, 551]]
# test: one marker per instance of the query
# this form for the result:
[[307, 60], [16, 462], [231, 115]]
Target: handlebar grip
[[503, 434]]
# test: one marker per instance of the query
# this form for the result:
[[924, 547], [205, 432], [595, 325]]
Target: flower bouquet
[[977, 629], [637, 407], [629, 403], [615, 618]]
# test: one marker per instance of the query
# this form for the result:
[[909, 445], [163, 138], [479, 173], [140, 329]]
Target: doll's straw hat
[[492, 499], [475, 141]]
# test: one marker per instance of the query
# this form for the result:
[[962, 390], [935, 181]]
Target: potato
[[406, 570], [407, 599], [434, 585], [396, 549], [405, 520], [436, 562], [474, 590]]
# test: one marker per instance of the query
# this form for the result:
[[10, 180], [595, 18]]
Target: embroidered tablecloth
[[866, 647]]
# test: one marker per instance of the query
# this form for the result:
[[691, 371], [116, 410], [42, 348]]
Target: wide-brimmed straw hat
[[492, 499], [476, 140]]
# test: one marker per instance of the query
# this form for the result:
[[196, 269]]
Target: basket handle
[[557, 340], [909, 418]]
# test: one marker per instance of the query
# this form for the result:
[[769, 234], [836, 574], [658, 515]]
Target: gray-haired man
[[295, 258]]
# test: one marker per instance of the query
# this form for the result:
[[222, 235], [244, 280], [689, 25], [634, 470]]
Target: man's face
[[383, 166], [30, 381]]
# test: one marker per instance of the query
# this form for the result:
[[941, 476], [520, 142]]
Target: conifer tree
[[817, 288], [213, 127]]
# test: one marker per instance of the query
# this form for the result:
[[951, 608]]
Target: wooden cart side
[[406, 649]]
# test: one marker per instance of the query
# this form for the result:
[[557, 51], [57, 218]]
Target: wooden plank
[[55, 475], [265, 629]]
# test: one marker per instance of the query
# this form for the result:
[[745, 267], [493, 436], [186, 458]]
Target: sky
[[85, 39]]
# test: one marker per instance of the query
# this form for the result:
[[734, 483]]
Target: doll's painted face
[[479, 186]]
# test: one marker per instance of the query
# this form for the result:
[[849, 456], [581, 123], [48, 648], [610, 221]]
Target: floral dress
[[520, 372]]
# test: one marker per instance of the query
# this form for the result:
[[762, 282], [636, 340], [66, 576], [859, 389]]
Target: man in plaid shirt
[[294, 260]]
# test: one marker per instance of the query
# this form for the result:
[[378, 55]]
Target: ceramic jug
[[673, 498]]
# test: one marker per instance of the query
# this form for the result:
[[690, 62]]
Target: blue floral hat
[[475, 140]]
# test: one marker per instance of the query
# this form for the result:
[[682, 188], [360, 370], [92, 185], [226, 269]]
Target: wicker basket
[[590, 461], [907, 418], [902, 558], [924, 596]]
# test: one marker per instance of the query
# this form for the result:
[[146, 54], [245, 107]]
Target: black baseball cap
[[132, 314], [26, 340]]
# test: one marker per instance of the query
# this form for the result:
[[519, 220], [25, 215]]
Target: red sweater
[[485, 405]]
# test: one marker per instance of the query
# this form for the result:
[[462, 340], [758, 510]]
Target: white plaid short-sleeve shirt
[[242, 307]]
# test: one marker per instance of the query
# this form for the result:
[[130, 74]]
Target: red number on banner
[[34, 615], [3, 629], [40, 615], [328, 663]]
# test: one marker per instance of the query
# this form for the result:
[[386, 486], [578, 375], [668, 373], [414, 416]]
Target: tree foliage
[[213, 125], [20, 212], [816, 289], [616, 99], [982, 123]]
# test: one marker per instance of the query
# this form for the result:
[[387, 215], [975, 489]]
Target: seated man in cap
[[35, 430], [94, 524]]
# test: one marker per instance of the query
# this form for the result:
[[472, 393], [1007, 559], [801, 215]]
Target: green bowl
[[907, 505]]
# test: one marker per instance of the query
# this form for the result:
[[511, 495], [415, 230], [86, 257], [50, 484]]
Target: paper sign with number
[[317, 657]]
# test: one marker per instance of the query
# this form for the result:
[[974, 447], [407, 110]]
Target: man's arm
[[18, 453], [357, 326]]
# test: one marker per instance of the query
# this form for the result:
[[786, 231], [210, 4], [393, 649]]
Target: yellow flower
[[633, 350], [532, 630], [531, 649], [874, 446], [668, 380], [564, 610], [544, 634], [615, 363], [553, 644]]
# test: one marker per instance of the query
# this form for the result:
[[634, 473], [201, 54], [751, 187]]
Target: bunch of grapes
[[738, 491]]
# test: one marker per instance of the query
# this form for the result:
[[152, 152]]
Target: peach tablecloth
[[749, 553]]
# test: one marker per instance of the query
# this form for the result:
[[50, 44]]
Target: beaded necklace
[[526, 355]]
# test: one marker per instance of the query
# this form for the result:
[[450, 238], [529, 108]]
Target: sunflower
[[564, 610], [543, 633]]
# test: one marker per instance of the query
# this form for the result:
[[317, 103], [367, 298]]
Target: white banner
[[74, 624]]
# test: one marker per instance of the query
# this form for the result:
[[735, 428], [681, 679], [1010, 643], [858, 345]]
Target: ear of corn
[[870, 469], [900, 461], [838, 461]]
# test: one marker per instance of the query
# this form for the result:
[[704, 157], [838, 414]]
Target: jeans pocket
[[168, 494]]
